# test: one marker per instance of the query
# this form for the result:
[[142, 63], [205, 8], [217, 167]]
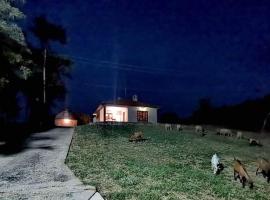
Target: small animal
[[136, 136], [239, 135], [217, 166], [239, 171], [224, 131], [254, 142], [199, 128], [168, 127], [264, 166], [179, 127]]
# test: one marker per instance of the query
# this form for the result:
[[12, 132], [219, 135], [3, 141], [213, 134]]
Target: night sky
[[169, 53]]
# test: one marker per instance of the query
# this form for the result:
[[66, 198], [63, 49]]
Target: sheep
[[239, 171], [254, 142], [217, 166], [200, 129], [136, 136], [225, 132], [239, 135], [168, 127], [264, 166], [179, 127]]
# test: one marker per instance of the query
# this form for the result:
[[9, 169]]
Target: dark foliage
[[249, 115], [82, 118], [169, 117], [46, 31], [57, 68], [9, 70]]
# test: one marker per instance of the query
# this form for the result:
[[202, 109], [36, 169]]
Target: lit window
[[142, 116]]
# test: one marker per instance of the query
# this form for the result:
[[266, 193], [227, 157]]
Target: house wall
[[101, 114], [132, 113]]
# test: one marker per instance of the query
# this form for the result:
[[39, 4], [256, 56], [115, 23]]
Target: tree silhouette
[[50, 69], [47, 32]]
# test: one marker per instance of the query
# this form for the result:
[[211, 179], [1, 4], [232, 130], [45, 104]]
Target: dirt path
[[39, 171]]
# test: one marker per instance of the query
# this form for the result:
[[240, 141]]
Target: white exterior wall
[[132, 113], [101, 114]]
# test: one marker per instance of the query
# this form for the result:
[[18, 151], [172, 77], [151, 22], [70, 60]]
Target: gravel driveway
[[39, 171]]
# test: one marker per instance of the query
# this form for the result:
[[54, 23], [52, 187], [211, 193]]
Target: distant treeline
[[248, 115]]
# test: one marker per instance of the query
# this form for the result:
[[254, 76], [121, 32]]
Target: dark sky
[[169, 53]]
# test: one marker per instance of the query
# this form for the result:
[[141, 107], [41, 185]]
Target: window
[[142, 116], [116, 114]]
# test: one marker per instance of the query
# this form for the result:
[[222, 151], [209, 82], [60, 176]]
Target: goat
[[239, 134], [200, 129], [225, 132], [254, 142], [136, 136], [264, 166], [217, 166], [239, 171], [179, 127], [168, 127]]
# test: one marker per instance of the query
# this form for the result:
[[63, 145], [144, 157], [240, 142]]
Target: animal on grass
[[200, 129], [239, 171], [225, 132], [168, 127], [217, 166], [254, 142], [239, 135], [136, 136], [264, 166], [179, 127]]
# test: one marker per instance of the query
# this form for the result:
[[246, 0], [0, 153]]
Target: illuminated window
[[117, 114], [142, 116]]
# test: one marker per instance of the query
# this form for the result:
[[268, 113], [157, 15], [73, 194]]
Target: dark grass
[[169, 165]]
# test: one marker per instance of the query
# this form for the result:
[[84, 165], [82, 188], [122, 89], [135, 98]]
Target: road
[[39, 172]]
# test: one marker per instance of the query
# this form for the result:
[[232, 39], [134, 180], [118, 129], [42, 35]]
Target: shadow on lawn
[[14, 138]]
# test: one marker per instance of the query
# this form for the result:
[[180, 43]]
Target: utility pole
[[44, 76]]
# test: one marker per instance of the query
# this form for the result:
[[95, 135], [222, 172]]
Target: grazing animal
[[168, 127], [179, 127], [199, 129], [239, 135], [254, 142], [217, 166], [264, 166], [239, 171], [224, 131], [136, 136]]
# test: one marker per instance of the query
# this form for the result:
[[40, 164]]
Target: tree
[[9, 14], [15, 67], [49, 70], [47, 32], [204, 112], [169, 117]]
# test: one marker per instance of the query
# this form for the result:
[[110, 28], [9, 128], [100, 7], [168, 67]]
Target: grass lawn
[[170, 165]]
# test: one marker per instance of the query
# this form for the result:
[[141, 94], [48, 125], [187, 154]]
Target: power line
[[129, 67]]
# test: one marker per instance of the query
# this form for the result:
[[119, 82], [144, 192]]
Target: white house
[[126, 111]]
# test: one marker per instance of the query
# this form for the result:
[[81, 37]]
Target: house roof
[[64, 115], [125, 102]]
